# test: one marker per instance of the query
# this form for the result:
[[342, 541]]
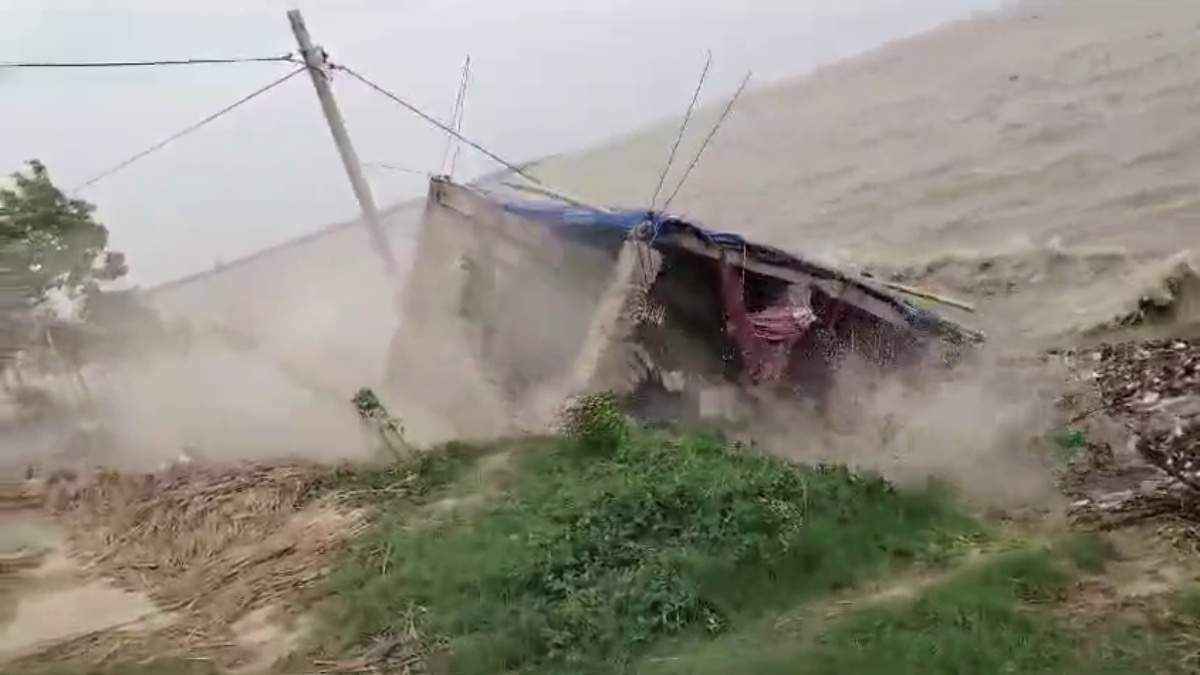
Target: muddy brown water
[[1051, 150]]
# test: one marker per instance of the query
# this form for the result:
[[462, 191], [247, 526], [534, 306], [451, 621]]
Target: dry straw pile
[[211, 543]]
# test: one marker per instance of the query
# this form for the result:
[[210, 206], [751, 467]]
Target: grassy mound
[[614, 538]]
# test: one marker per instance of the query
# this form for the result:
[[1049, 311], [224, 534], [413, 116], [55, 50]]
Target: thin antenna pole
[[662, 177], [456, 119], [721, 120]]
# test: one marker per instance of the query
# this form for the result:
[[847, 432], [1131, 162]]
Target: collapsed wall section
[[610, 359], [496, 311]]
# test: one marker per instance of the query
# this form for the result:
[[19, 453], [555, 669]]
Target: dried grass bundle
[[212, 542]]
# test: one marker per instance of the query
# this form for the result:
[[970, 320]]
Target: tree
[[48, 242]]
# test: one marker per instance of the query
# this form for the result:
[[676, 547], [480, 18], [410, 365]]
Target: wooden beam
[[925, 295]]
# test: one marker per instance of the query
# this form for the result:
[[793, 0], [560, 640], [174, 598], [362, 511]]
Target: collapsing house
[[548, 298]]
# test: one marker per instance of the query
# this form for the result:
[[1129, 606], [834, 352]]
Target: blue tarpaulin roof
[[623, 221], [575, 216], [613, 226]]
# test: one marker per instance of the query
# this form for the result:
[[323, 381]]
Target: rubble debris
[[1153, 389], [1135, 375], [1153, 498]]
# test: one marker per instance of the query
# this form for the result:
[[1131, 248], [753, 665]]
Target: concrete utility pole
[[318, 69]]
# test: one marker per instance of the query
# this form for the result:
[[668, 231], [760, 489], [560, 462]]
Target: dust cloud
[[981, 425], [211, 403], [495, 315], [974, 427], [224, 406], [459, 378]]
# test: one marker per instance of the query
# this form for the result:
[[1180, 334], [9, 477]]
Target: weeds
[[614, 538], [1188, 603], [1089, 551], [596, 424], [410, 481], [373, 413]]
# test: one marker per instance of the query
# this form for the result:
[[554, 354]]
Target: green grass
[[992, 618], [1087, 551], [613, 539], [617, 549], [1187, 604]]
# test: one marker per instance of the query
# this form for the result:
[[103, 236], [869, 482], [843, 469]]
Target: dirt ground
[[48, 595], [200, 564]]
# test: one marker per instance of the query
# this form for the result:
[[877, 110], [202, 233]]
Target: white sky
[[547, 77]]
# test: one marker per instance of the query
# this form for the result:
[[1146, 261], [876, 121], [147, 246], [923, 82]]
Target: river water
[[1042, 162]]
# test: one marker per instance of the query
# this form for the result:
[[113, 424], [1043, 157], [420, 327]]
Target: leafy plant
[[372, 411], [596, 423]]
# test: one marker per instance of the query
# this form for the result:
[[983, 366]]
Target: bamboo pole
[[925, 295]]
